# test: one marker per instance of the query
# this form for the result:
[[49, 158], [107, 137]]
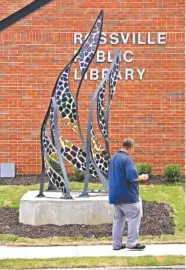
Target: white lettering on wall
[[103, 39], [114, 39], [140, 41], [149, 40], [125, 37], [100, 56], [161, 38], [140, 72], [78, 38], [94, 74], [129, 74], [126, 56], [76, 75], [104, 72]]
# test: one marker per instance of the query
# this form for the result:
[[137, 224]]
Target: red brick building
[[149, 101]]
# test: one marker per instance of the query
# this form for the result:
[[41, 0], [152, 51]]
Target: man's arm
[[131, 172]]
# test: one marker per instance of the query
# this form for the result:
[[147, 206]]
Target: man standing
[[124, 194]]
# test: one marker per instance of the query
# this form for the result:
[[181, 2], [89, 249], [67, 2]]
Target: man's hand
[[143, 177]]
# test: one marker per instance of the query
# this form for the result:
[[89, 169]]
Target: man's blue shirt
[[121, 176]]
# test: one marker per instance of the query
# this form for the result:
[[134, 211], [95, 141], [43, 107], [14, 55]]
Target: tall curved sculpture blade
[[89, 47], [104, 116], [75, 156], [89, 157], [100, 111], [55, 177], [102, 156], [85, 56], [64, 99], [99, 155], [51, 155], [54, 120], [112, 87]]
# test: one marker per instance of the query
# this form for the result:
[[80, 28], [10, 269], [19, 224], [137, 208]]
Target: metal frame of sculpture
[[100, 161], [93, 158]]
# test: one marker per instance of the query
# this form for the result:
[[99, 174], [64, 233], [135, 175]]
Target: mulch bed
[[21, 180], [157, 220], [35, 179]]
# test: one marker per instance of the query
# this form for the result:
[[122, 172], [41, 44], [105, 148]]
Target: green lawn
[[15, 240], [92, 262], [11, 195], [171, 194]]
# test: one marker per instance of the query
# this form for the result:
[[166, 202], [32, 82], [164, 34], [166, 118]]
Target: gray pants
[[132, 213]]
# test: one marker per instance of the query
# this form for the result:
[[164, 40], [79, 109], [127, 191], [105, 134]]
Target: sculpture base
[[52, 209]]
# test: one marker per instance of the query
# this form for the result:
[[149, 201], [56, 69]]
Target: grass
[[172, 194], [92, 262], [11, 195], [15, 240]]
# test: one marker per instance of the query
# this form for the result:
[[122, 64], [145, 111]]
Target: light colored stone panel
[[54, 210]]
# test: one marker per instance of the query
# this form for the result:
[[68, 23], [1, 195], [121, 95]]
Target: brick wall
[[34, 51]]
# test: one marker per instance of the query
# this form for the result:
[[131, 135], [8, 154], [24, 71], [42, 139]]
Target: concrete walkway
[[122, 268], [7, 252]]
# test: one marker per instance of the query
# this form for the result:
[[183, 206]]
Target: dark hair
[[128, 143]]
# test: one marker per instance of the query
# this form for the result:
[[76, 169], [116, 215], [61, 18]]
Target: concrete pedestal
[[54, 210]]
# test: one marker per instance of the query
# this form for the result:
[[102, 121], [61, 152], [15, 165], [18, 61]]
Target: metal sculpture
[[92, 158], [100, 161]]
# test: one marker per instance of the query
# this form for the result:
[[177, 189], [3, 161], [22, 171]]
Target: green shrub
[[172, 172], [144, 168], [79, 175]]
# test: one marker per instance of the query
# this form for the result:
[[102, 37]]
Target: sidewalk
[[122, 268], [7, 252]]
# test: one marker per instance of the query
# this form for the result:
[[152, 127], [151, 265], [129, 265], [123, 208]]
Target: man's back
[[122, 175]]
